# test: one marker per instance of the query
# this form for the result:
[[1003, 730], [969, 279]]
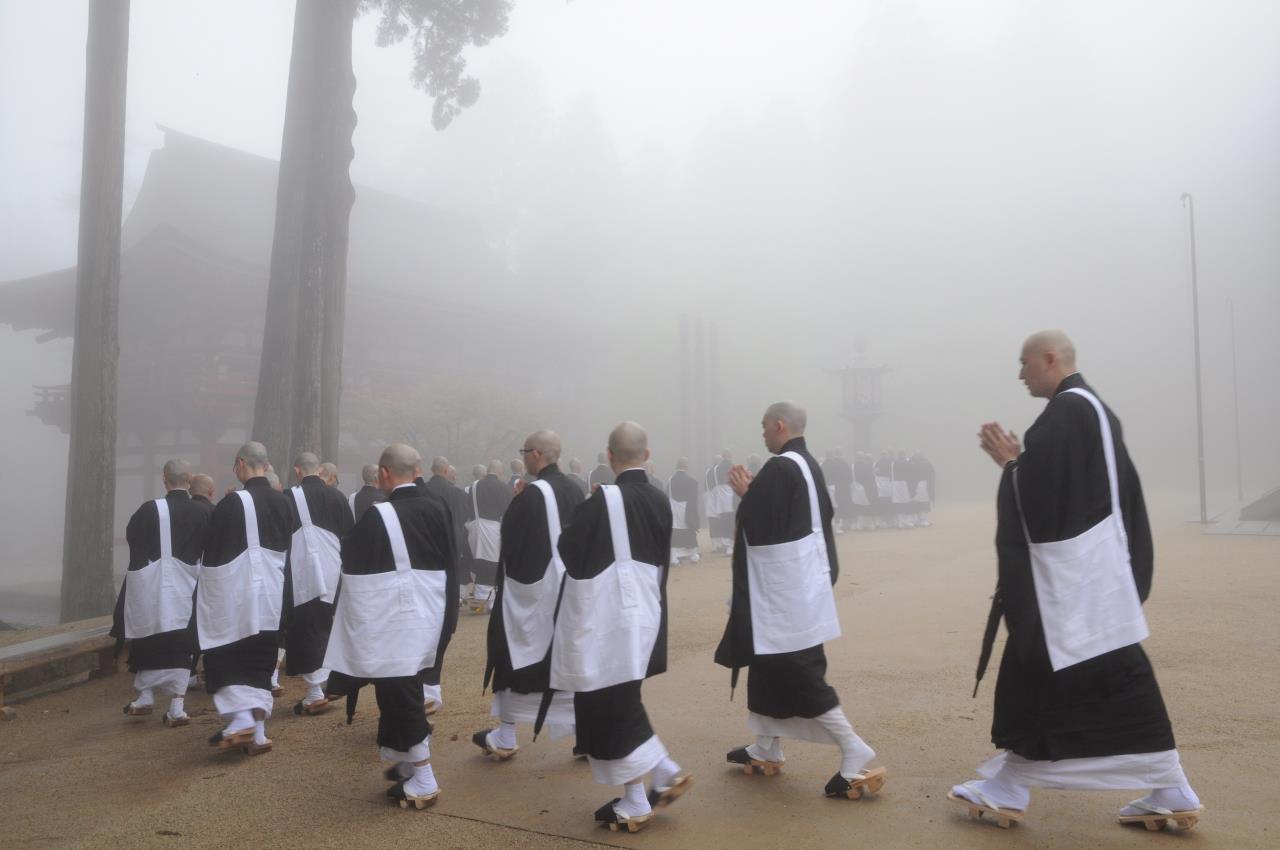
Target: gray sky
[[937, 178]]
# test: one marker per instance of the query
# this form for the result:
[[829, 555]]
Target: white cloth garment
[[158, 597], [792, 604], [1085, 590], [420, 751], [720, 500], [677, 510], [630, 767], [243, 597], [484, 535], [529, 610], [608, 624], [231, 699], [388, 624], [511, 707], [859, 494], [172, 680], [1102, 773], [315, 560]]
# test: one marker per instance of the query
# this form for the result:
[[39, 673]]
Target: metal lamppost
[[1235, 400], [1189, 204]]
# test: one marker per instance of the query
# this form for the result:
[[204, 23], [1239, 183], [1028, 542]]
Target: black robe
[[455, 501], [580, 483], [492, 495], [526, 551], [365, 498], [839, 474], [720, 525], [307, 626], [602, 474], [428, 539], [188, 521], [248, 661], [1108, 705], [611, 722], [684, 488], [204, 502], [776, 510]]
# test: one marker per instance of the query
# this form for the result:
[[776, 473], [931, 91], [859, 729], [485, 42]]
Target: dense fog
[[925, 182]]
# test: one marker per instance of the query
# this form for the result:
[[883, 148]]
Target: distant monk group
[[365, 591]]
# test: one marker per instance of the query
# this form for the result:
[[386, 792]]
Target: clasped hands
[[1000, 445]]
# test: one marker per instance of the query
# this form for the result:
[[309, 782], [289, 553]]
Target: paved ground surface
[[75, 772]]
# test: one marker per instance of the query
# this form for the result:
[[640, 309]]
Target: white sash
[[315, 558], [529, 610], [158, 597], [678, 520], [792, 604], [243, 597], [388, 624], [607, 625], [1084, 586], [859, 494], [922, 492], [484, 535]]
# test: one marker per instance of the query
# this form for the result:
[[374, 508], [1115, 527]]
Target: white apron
[[158, 597], [241, 598], [1084, 586], [792, 604], [388, 624], [529, 610], [898, 488], [607, 625], [720, 500], [884, 487], [315, 558], [922, 492], [678, 522], [484, 535], [859, 494]]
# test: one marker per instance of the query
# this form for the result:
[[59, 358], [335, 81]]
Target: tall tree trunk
[[88, 585], [300, 377]]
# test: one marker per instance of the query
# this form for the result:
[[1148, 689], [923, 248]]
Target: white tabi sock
[[275, 678], [665, 773], [175, 708], [766, 749], [422, 782], [145, 697], [854, 752], [1005, 795], [1174, 799], [504, 737], [240, 721], [314, 694], [259, 731], [634, 801]]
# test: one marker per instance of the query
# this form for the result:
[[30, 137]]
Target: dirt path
[[74, 772]]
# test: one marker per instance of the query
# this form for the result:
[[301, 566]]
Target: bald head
[[682, 464], [369, 473], [478, 471], [306, 463], [541, 449], [202, 485], [399, 464], [439, 465], [329, 473], [783, 421], [251, 461], [628, 446], [177, 474], [274, 480], [1047, 358], [495, 467]]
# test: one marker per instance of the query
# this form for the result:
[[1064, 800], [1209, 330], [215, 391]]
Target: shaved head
[[439, 465], [254, 455], [1047, 358], [1051, 342], [202, 485], [478, 470], [402, 461], [307, 463], [495, 467], [628, 445], [790, 414], [274, 480], [683, 464], [369, 473], [329, 472], [541, 449], [177, 474]]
